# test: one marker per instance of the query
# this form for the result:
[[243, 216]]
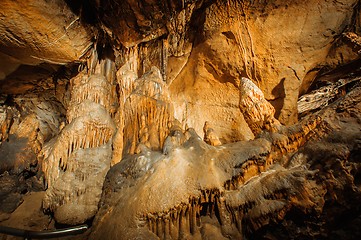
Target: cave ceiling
[[182, 119]]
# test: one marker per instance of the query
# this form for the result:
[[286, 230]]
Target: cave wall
[[91, 84], [34, 32], [200, 47], [281, 46]]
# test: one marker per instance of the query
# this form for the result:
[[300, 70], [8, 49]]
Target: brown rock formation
[[258, 112], [40, 31], [76, 161], [210, 136], [104, 101], [239, 190]]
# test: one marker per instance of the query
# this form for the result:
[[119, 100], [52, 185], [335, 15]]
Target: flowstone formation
[[193, 119], [228, 191], [77, 160], [147, 112]]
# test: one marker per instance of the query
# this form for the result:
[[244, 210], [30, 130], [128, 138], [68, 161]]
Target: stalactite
[[92, 61], [108, 70], [193, 218], [159, 229], [164, 59], [149, 105], [183, 220], [167, 229], [131, 57], [81, 152]]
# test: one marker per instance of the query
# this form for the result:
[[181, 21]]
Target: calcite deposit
[[76, 161], [192, 119]]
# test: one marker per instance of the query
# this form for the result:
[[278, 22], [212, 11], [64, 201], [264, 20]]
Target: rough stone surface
[[29, 216], [103, 103], [240, 187], [34, 32], [77, 160]]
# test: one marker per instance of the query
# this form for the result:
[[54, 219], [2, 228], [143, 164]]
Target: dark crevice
[[85, 9], [324, 78]]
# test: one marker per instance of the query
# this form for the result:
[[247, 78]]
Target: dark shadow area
[[326, 77], [278, 102], [27, 78], [85, 9], [16, 155]]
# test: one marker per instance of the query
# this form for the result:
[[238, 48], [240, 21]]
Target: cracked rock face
[[104, 102]]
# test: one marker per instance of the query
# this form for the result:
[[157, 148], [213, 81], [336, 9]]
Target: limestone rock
[[24, 135], [240, 185], [76, 161], [258, 112], [41, 31], [149, 20], [131, 84], [323, 96], [243, 39], [29, 214]]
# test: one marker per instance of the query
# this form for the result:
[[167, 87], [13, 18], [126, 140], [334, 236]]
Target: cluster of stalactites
[[94, 88], [146, 113], [185, 219], [271, 195], [140, 59], [87, 131], [90, 124], [264, 198], [146, 124], [257, 111], [72, 187], [87, 136]]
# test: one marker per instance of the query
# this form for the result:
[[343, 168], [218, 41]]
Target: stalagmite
[[239, 184], [258, 113], [79, 157], [210, 136]]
